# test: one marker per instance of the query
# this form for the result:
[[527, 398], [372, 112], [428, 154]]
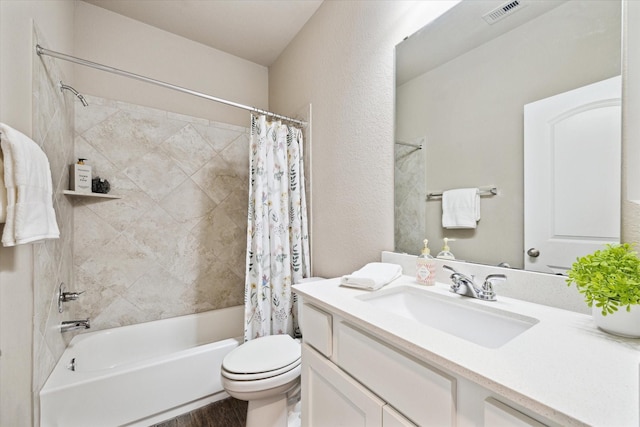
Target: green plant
[[610, 277]]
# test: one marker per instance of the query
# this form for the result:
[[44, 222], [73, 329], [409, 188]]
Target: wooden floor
[[229, 412]]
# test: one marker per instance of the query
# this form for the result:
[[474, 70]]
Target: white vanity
[[379, 359]]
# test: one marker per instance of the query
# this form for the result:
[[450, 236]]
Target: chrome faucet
[[465, 285], [72, 325]]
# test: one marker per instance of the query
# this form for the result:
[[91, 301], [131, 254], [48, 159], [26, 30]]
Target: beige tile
[[156, 174], [188, 204], [218, 136], [218, 179], [188, 149], [158, 235]]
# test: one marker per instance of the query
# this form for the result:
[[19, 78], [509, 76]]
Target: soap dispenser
[[80, 177], [445, 253], [425, 266]]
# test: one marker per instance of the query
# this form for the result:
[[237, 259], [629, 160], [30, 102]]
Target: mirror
[[461, 87]]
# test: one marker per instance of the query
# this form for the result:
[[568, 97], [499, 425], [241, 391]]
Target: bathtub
[[141, 374]]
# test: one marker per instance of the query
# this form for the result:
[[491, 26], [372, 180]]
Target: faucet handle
[[487, 288], [451, 269], [488, 281], [70, 296]]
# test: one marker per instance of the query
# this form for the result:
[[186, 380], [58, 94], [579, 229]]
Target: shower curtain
[[277, 232]]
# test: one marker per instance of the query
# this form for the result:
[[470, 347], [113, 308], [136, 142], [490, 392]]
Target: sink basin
[[480, 324]]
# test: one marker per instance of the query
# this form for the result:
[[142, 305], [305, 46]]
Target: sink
[[477, 323]]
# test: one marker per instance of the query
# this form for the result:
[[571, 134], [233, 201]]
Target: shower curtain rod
[[42, 51]]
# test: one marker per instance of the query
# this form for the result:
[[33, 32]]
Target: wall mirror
[[462, 84]]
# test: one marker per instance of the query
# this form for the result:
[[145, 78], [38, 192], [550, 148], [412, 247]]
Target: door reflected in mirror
[[461, 89]]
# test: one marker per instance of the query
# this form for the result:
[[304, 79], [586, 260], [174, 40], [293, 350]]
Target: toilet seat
[[262, 358], [259, 375], [285, 381]]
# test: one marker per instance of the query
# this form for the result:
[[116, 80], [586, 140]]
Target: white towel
[[461, 208], [372, 276], [30, 216], [3, 191]]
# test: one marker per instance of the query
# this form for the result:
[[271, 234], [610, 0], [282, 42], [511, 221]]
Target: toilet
[[265, 372]]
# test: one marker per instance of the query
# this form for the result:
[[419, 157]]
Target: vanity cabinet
[[351, 377]]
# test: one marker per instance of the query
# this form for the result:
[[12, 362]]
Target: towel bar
[[484, 191]]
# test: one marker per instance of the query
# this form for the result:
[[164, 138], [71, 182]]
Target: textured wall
[[108, 38], [342, 62], [175, 242]]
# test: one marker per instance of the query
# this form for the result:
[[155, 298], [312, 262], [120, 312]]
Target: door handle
[[533, 252]]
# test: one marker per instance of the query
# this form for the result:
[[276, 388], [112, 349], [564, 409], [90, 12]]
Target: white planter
[[622, 322]]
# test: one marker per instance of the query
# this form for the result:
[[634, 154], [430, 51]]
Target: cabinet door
[[497, 414], [393, 418], [330, 398], [423, 394]]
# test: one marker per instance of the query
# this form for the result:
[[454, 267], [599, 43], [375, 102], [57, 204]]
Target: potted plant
[[610, 281]]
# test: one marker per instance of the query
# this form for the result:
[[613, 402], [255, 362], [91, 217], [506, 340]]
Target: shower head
[[75, 92]]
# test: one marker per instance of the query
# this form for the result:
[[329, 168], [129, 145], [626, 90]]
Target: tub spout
[[72, 325]]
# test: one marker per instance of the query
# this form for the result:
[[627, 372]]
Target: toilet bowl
[[264, 371]]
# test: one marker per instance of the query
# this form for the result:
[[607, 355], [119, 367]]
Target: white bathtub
[[141, 374]]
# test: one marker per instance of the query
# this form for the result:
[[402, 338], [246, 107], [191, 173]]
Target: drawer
[[423, 394], [317, 329]]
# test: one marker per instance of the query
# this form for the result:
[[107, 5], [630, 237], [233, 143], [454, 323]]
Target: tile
[[156, 174], [119, 261], [188, 204], [155, 251], [125, 212], [218, 179], [125, 136], [188, 149], [218, 136]]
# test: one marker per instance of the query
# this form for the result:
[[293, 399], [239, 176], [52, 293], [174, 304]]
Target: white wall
[[342, 62], [55, 19], [111, 39]]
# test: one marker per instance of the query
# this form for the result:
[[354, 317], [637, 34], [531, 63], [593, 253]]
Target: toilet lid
[[262, 354]]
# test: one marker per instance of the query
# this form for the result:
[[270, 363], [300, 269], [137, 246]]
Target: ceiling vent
[[503, 11]]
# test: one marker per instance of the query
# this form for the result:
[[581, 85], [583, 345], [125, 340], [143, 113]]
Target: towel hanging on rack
[[30, 216], [461, 208]]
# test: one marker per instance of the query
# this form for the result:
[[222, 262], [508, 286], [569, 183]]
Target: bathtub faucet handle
[[66, 296], [71, 296]]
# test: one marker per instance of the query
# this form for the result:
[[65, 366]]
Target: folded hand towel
[[27, 178], [461, 208], [372, 276], [3, 192]]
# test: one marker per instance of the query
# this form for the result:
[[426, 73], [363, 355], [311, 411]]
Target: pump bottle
[[445, 253], [425, 267]]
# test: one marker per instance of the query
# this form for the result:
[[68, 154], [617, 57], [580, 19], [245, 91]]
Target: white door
[[571, 175]]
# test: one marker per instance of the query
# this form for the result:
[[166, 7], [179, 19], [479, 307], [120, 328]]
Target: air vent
[[503, 11]]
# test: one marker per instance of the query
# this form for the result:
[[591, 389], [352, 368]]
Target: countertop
[[563, 368]]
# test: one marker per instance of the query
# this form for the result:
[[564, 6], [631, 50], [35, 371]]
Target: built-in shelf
[[98, 195]]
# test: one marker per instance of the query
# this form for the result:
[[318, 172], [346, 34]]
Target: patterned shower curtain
[[277, 232]]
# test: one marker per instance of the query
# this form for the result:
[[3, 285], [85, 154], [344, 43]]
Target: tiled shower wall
[[53, 259], [175, 242], [410, 198]]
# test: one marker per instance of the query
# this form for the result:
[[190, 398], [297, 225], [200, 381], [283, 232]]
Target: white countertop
[[563, 368]]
